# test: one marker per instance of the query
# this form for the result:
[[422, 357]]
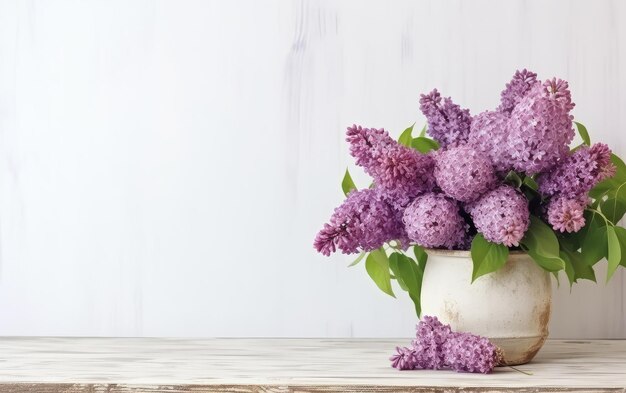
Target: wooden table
[[285, 365]]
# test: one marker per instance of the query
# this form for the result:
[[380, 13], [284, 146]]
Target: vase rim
[[461, 253]]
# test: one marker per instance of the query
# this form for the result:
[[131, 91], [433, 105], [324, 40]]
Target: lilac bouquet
[[499, 180], [437, 347]]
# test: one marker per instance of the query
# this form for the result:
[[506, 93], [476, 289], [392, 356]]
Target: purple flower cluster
[[432, 220], [366, 145], [441, 199], [516, 89], [540, 128], [567, 214], [400, 172], [532, 128], [570, 181], [488, 135], [448, 124], [363, 222], [371, 217], [579, 172], [436, 347], [463, 173], [501, 215], [465, 352]]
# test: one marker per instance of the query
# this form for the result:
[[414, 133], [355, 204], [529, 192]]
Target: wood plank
[[285, 365]]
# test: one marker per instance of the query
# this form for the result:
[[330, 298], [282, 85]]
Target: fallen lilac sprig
[[436, 347]]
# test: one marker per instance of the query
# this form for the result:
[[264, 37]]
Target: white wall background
[[164, 166]]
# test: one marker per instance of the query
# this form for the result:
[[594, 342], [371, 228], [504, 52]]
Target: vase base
[[519, 350]]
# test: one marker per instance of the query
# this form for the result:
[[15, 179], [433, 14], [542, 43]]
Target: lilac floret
[[401, 173], [367, 144], [579, 172], [532, 129], [567, 214], [432, 220], [463, 173], [448, 124], [558, 90], [436, 346], [465, 352], [516, 89], [404, 359], [501, 215], [430, 337], [540, 128], [364, 222], [488, 135]]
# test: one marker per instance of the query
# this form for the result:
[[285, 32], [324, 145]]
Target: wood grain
[[284, 365]]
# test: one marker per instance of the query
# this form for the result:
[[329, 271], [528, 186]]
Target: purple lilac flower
[[363, 222], [404, 359], [501, 215], [567, 214], [540, 128], [426, 349], [433, 220], [436, 346], [558, 90], [488, 135], [430, 337], [366, 145], [465, 352], [516, 89], [579, 172], [401, 173], [463, 173], [448, 124]]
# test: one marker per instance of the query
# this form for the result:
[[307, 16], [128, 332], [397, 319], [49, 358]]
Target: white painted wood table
[[285, 365]]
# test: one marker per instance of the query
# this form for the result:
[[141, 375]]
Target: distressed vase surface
[[510, 306]]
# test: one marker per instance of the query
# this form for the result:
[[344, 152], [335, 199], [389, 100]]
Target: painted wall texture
[[164, 166]]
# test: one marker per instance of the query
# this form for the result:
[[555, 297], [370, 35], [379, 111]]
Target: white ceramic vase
[[511, 306]]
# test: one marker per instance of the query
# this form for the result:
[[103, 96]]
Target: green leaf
[[420, 256], [568, 241], [541, 238], [406, 137], [582, 130], [621, 236], [614, 251], [603, 188], [542, 245], [424, 129], [513, 179], [358, 259], [393, 265], [347, 184], [424, 145], [548, 263], [594, 246], [581, 269], [569, 268], [487, 256], [614, 209], [412, 277], [531, 183], [377, 266], [619, 192]]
